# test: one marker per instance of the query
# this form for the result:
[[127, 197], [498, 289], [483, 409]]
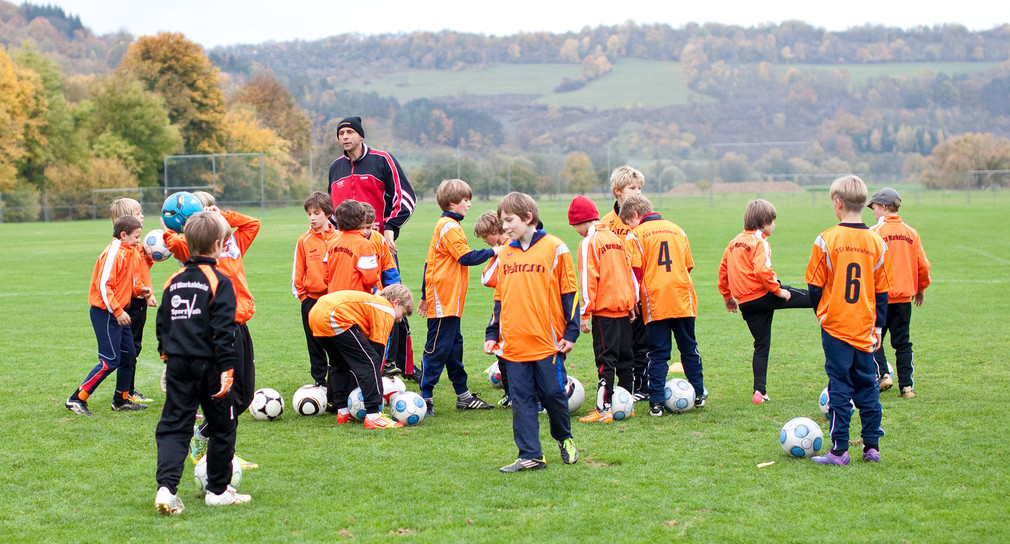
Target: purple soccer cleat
[[871, 455], [831, 459]]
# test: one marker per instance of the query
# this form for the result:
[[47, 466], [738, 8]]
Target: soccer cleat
[[656, 409], [700, 400], [885, 382], [243, 464], [197, 447], [78, 406], [759, 397], [344, 418], [138, 398], [431, 408], [381, 422], [871, 455], [166, 503], [569, 454], [536, 463], [473, 403], [229, 496], [505, 401], [602, 417], [640, 396], [831, 459], [907, 392], [391, 370], [127, 406]]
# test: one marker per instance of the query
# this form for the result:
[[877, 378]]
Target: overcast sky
[[226, 22]]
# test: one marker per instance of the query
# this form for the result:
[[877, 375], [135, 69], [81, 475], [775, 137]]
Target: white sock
[[372, 416]]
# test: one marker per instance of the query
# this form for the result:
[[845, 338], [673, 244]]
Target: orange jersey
[[351, 263], [614, 223], [909, 266], [489, 278], [337, 312], [445, 279], [308, 274], [849, 263], [142, 268], [114, 281], [745, 272], [230, 261], [606, 282], [660, 250], [531, 282], [382, 253]]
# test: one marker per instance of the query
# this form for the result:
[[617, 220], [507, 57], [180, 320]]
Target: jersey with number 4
[[849, 263], [660, 250]]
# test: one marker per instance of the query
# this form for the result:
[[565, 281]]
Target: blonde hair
[[452, 191], [399, 291], [205, 198], [520, 204], [635, 205], [123, 206], [623, 176], [487, 224], [758, 213], [202, 229], [851, 191]]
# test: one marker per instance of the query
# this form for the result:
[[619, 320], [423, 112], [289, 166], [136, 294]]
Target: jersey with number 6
[[849, 262], [660, 250]]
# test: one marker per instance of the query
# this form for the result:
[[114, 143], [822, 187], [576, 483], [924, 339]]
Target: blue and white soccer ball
[[309, 400], [576, 394], [494, 375], [408, 408], [177, 209], [356, 404], [200, 473], [823, 402], [391, 385], [267, 404], [801, 437], [154, 246], [622, 403], [678, 395]]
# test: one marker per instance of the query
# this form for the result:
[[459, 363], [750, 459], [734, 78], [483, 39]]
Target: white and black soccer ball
[[408, 408], [309, 400], [391, 385], [824, 400], [356, 404], [200, 473], [622, 403], [678, 395], [494, 375], [575, 392], [801, 437], [154, 246], [267, 405]]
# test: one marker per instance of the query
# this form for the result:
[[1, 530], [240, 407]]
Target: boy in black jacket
[[196, 337]]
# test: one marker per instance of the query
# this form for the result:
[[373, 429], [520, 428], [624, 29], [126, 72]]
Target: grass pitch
[[690, 477]]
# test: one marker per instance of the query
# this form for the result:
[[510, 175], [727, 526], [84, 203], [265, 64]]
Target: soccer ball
[[356, 404], [801, 437], [494, 375], [824, 399], [200, 473], [576, 394], [408, 408], [177, 209], [391, 386], [154, 246], [622, 403], [678, 395], [309, 400], [267, 405]]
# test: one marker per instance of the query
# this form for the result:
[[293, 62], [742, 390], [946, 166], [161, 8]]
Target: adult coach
[[369, 175]]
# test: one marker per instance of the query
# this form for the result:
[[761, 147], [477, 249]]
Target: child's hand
[[784, 294], [489, 346], [731, 305], [211, 209], [918, 298], [878, 338], [152, 302], [422, 309], [497, 249], [565, 346], [584, 325], [123, 319]]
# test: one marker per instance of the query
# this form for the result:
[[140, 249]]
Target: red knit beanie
[[582, 209]]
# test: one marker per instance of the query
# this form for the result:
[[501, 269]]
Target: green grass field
[[690, 477]]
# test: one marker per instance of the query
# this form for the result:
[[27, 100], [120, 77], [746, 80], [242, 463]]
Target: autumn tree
[[178, 70], [277, 109], [579, 173], [952, 163], [21, 98], [245, 133]]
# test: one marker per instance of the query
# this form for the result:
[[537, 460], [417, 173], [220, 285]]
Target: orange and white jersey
[[660, 250], [606, 282], [489, 277], [335, 313], [382, 253], [849, 263], [909, 266], [308, 272], [142, 269], [351, 263], [614, 223], [445, 279], [745, 272], [531, 283], [114, 279]]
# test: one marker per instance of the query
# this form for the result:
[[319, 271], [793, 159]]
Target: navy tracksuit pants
[[528, 382], [851, 375]]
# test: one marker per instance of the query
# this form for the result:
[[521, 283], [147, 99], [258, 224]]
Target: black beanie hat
[[354, 123]]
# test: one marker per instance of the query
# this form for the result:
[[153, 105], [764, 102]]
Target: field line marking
[[985, 254]]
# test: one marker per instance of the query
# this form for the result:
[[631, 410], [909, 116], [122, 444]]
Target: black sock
[[867, 447], [838, 452]]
